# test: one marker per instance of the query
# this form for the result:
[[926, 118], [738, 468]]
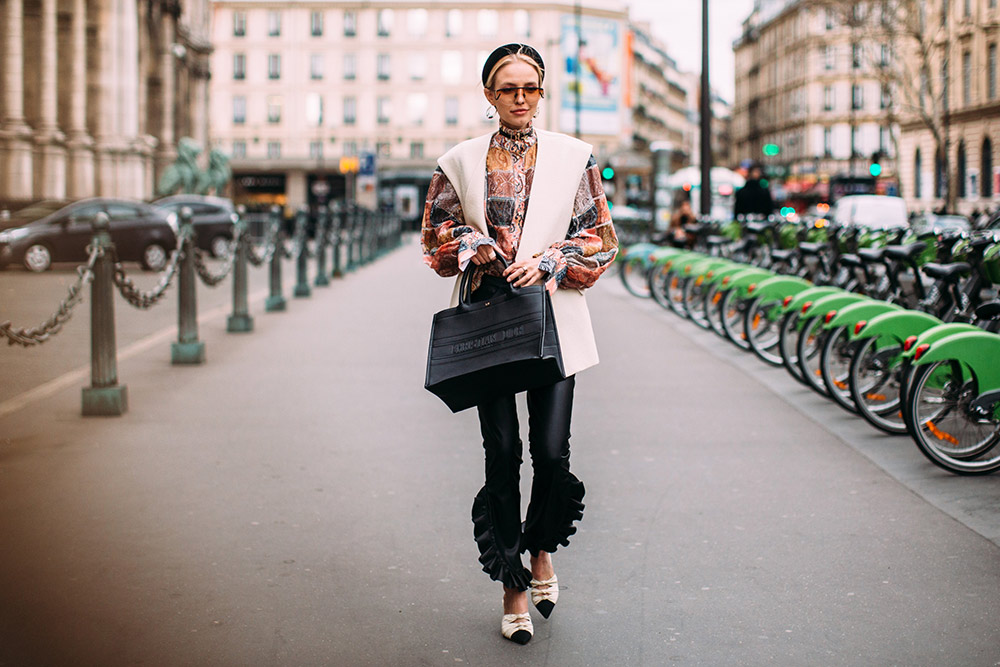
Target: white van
[[871, 211]]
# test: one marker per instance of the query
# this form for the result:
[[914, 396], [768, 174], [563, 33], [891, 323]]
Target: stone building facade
[[95, 93]]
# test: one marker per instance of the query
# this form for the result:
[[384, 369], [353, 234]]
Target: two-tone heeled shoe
[[544, 595], [517, 628]]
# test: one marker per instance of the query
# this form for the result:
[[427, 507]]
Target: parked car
[[932, 223], [871, 211], [57, 232], [212, 217]]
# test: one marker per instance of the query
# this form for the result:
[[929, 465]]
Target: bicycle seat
[[950, 273], [871, 255], [715, 241], [757, 227], [988, 311], [782, 255], [905, 253], [807, 248], [851, 260]]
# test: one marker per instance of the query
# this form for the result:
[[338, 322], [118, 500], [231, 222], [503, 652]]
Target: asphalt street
[[301, 500]]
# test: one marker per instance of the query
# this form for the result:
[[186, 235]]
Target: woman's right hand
[[484, 255]]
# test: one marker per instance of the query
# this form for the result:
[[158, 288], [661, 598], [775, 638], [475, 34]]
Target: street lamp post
[[706, 118]]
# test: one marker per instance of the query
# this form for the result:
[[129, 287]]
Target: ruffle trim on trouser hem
[[572, 510], [495, 564]]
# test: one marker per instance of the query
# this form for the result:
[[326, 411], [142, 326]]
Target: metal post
[[240, 320], [322, 230], [188, 349], [352, 228], [337, 223], [706, 119], [302, 288], [104, 397], [276, 301]]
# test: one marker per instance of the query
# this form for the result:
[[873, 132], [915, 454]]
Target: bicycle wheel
[[634, 277], [808, 349], [949, 432], [657, 278], [835, 367], [875, 385], [788, 337], [762, 322], [675, 293], [713, 295], [731, 309], [693, 301]]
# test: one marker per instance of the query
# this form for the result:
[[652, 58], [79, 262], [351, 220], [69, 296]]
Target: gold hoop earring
[[491, 113]]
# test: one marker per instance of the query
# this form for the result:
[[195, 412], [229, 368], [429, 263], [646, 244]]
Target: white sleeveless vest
[[559, 166]]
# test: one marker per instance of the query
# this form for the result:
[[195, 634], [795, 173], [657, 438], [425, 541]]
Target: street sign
[[367, 164]]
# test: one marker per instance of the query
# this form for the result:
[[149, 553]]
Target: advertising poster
[[601, 82]]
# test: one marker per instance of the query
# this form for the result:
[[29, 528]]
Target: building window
[[239, 149], [316, 150], [274, 23], [274, 66], [314, 109], [451, 111], [383, 149], [940, 181], [453, 23], [316, 66], [273, 150], [986, 168], [273, 109], [944, 12], [829, 101], [350, 110], [451, 66], [827, 141], [829, 57], [350, 23], [316, 24], [883, 59], [488, 22], [960, 168], [350, 66], [966, 78], [417, 150], [854, 141], [885, 101], [522, 23], [418, 66], [831, 22], [991, 71], [383, 66], [917, 167], [416, 22], [239, 23], [945, 93], [967, 8], [857, 97], [384, 22], [855, 56], [884, 139], [350, 148], [417, 107], [383, 110], [239, 109], [239, 66]]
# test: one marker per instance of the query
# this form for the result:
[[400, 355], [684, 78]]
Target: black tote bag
[[503, 345]]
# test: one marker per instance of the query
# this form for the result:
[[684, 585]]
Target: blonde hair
[[514, 57]]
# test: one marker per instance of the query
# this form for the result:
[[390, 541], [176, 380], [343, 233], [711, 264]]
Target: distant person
[[754, 198], [477, 211], [684, 215]]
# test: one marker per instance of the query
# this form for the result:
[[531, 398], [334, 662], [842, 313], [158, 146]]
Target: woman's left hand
[[524, 273]]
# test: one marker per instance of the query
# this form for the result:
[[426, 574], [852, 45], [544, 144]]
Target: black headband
[[502, 52]]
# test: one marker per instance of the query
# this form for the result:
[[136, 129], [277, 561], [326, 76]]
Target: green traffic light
[[771, 149], [607, 173], [875, 169]]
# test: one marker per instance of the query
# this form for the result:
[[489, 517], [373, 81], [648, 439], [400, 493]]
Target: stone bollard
[[188, 349], [276, 301], [240, 321], [104, 397], [337, 219], [302, 288], [322, 232]]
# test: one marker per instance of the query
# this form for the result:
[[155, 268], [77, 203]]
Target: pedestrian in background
[[684, 215], [476, 209], [754, 198]]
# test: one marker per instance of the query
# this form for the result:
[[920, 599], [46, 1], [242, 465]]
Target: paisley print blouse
[[576, 262]]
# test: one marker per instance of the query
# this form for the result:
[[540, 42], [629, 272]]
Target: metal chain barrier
[[269, 248], [53, 325], [145, 300], [206, 275]]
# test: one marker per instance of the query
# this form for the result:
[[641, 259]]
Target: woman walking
[[478, 208]]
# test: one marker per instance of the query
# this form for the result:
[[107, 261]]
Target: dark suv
[[54, 231], [212, 217]]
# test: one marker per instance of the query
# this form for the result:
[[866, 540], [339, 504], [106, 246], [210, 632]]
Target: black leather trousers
[[556, 495]]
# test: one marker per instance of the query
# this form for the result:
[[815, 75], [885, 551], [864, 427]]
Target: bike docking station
[[369, 236]]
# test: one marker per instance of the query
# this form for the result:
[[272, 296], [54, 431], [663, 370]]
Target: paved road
[[300, 500]]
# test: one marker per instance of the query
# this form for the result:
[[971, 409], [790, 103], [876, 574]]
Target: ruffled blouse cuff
[[553, 262], [469, 244]]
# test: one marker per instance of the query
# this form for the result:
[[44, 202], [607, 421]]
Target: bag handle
[[465, 289]]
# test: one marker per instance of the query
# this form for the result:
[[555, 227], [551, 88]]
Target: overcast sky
[[678, 24]]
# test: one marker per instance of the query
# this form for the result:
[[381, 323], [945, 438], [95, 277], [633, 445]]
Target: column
[[80, 144], [50, 150], [108, 148], [167, 152], [15, 135]]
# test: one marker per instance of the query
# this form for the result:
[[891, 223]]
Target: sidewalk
[[301, 500]]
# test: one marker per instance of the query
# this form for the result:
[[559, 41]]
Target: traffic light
[[875, 168], [770, 150], [608, 173]]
